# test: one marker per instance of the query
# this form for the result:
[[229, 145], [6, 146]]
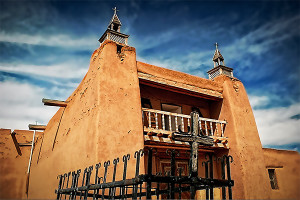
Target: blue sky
[[45, 48]]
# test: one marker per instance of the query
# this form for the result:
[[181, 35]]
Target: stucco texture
[[102, 121], [287, 170]]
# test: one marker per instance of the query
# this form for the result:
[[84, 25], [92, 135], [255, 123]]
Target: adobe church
[[135, 130]]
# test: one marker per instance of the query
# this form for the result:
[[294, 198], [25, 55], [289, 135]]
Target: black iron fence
[[170, 184]]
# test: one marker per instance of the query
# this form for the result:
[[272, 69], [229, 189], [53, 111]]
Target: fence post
[[229, 159], [148, 193]]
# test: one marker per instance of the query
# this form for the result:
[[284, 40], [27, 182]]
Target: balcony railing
[[164, 123]]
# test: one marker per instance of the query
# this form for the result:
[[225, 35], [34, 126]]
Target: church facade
[[123, 105]]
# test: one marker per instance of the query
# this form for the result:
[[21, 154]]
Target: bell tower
[[113, 31], [219, 66]]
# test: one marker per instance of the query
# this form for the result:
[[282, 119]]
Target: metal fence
[[168, 185]]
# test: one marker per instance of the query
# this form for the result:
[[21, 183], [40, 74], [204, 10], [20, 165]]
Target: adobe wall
[[287, 170], [248, 169], [102, 121], [13, 167]]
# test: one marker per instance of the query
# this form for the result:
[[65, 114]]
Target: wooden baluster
[[211, 129], [163, 121], [189, 125], [217, 133], [170, 126], [149, 119], [176, 124], [200, 125], [182, 124], [156, 121], [206, 133], [222, 133]]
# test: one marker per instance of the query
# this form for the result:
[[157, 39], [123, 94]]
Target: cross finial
[[217, 45], [115, 9]]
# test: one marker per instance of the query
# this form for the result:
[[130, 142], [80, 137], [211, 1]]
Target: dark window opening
[[146, 103], [119, 48], [115, 27], [273, 179]]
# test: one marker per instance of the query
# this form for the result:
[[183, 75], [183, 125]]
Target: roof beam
[[36, 127], [25, 144], [51, 102], [13, 135]]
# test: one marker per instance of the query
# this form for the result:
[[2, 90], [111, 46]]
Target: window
[[273, 179], [119, 48]]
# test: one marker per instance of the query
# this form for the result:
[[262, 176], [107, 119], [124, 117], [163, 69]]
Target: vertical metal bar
[[173, 166], [157, 187], [229, 175], [113, 189], [163, 122], [59, 187], [156, 121], [125, 160], [88, 178], [149, 173], [96, 192], [140, 194], [211, 175], [67, 183], [137, 155], [180, 188], [83, 178], [63, 183], [223, 176], [72, 184], [76, 182], [206, 177], [106, 164]]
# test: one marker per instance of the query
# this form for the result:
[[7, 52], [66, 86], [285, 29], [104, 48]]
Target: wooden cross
[[115, 9], [194, 138]]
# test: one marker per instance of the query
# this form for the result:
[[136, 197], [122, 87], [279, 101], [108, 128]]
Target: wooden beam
[[36, 127], [13, 135], [25, 144], [50, 102]]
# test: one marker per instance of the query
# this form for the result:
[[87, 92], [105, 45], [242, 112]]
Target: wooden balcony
[[159, 125]]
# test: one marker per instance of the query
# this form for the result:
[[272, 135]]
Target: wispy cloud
[[21, 105], [276, 126], [55, 40]]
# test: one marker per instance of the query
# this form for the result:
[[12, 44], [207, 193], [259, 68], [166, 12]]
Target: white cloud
[[258, 101], [275, 125], [21, 104], [65, 70], [58, 40]]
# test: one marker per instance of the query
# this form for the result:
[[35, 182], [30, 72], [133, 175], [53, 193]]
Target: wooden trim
[[50, 102], [179, 88], [170, 141], [36, 127]]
